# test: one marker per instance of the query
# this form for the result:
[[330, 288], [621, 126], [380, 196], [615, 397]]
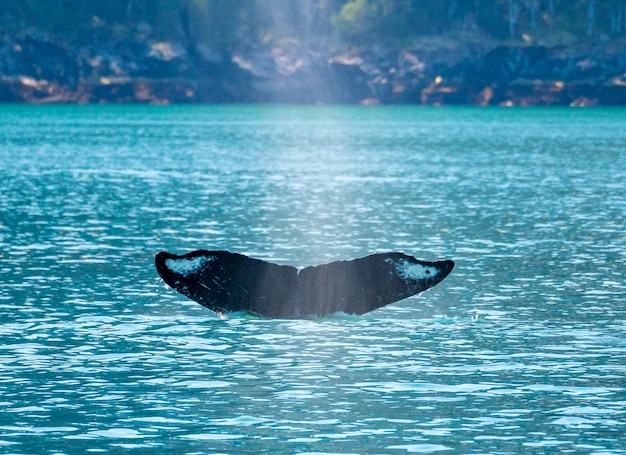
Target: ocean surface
[[522, 349]]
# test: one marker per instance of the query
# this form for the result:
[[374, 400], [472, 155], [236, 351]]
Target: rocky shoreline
[[34, 68]]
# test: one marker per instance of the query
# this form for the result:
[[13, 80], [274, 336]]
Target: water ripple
[[521, 349]]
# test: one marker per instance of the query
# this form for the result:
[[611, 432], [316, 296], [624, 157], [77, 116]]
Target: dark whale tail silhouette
[[228, 282]]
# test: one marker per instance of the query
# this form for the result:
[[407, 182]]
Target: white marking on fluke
[[410, 271], [186, 266]]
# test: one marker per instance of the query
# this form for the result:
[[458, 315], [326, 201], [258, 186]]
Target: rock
[[8, 94], [39, 59], [584, 102], [296, 75], [126, 65], [164, 60]]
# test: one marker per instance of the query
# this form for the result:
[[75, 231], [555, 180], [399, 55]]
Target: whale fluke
[[230, 282]]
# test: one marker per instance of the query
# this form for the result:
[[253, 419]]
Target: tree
[[531, 7], [617, 16], [513, 12], [591, 16], [357, 19]]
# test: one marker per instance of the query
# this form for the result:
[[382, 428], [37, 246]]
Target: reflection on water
[[521, 349], [243, 385]]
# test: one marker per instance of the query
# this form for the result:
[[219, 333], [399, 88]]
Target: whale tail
[[229, 282]]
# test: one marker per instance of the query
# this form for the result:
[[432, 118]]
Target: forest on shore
[[506, 52]]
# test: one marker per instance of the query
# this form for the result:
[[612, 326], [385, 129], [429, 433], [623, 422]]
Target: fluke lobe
[[228, 282]]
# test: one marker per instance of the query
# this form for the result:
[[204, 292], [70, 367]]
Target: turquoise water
[[521, 350]]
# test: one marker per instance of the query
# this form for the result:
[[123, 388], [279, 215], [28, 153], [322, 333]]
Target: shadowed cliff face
[[38, 69]]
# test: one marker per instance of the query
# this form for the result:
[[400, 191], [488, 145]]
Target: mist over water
[[521, 349]]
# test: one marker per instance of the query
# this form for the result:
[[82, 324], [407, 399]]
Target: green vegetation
[[362, 23]]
